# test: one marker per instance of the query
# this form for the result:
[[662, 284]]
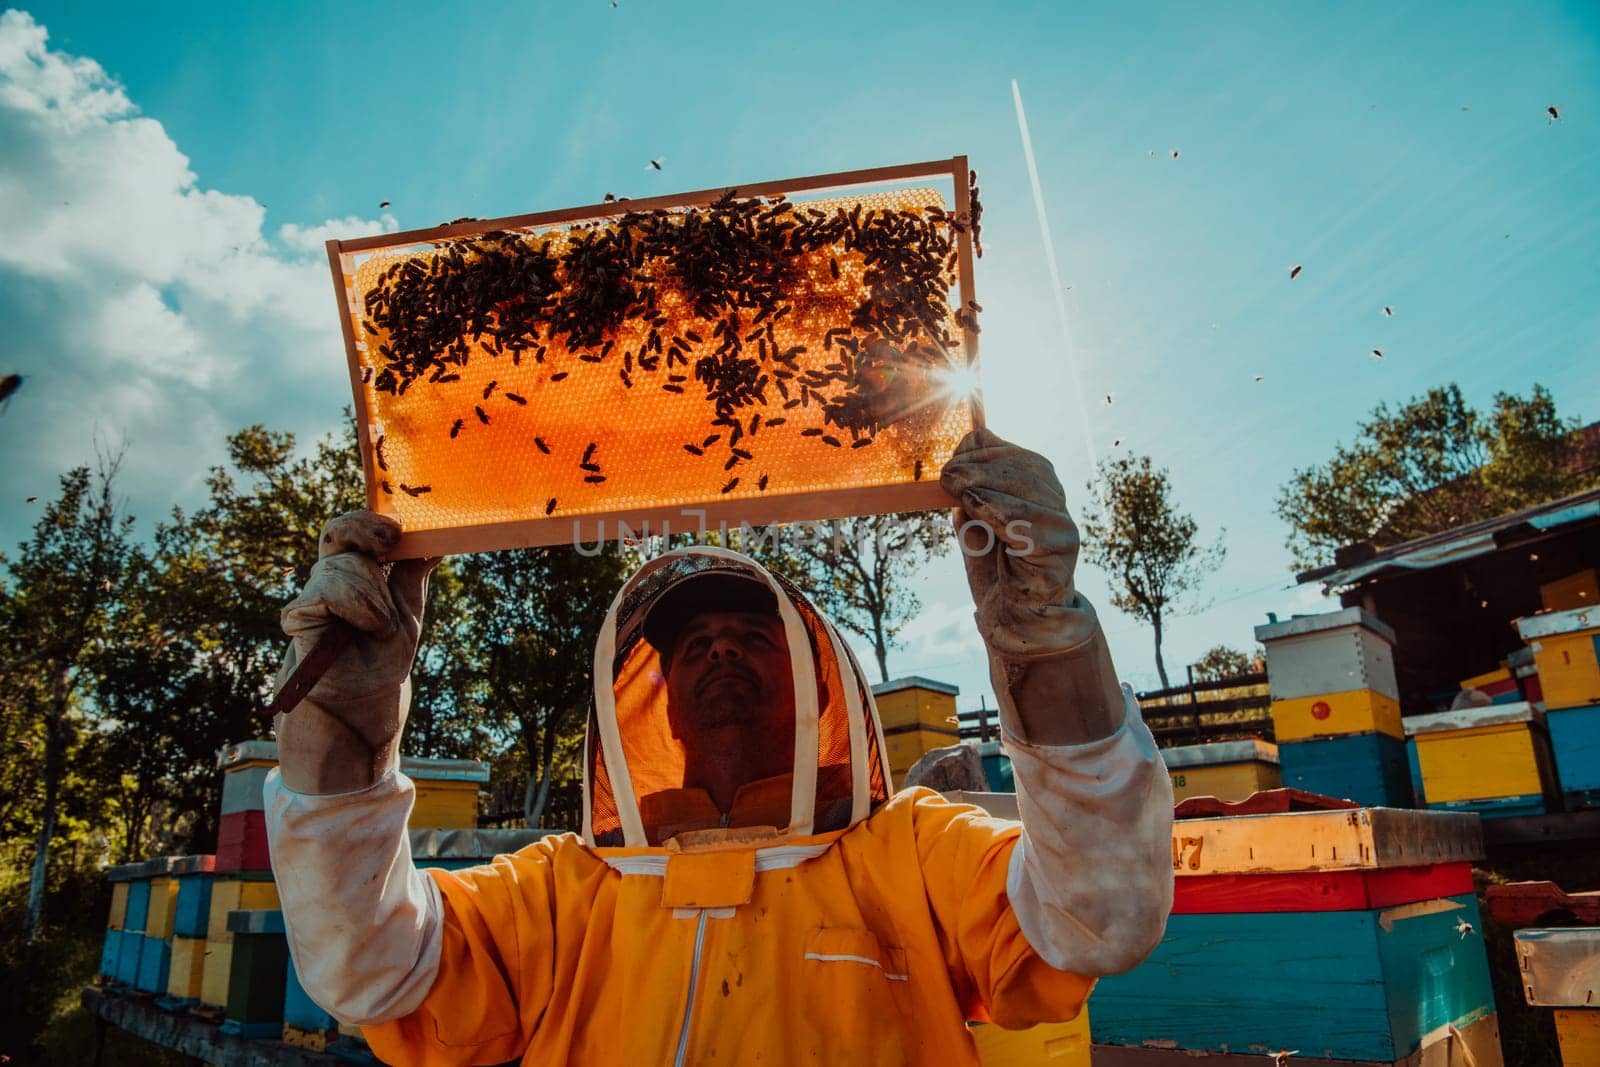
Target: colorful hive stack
[[1228, 770], [192, 877], [155, 954], [1566, 651], [1493, 760], [230, 891], [111, 952], [1336, 707], [1345, 935], [1561, 969], [918, 716], [1526, 672], [260, 959]]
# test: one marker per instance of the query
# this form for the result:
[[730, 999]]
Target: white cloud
[[311, 239], [140, 306]]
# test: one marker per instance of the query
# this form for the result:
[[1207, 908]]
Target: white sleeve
[[1090, 880], [365, 926]]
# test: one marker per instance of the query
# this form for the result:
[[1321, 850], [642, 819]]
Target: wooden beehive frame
[[589, 528]]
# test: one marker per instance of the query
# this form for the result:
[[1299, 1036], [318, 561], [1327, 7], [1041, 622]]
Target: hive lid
[[1351, 839], [1302, 625], [1555, 623], [468, 844], [549, 378], [1217, 752], [1468, 718], [1560, 967]]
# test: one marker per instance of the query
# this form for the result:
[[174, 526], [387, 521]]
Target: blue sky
[[167, 174]]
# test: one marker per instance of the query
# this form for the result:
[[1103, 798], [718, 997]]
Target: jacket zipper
[[694, 981]]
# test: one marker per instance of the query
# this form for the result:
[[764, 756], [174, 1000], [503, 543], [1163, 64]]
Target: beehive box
[[1565, 646], [1064, 1044], [187, 971], [521, 379], [155, 955], [455, 849], [257, 967], [1368, 768], [446, 795], [1579, 590], [193, 913], [1356, 711], [1561, 969], [1336, 652], [230, 891], [1229, 770], [1499, 685], [1348, 935], [918, 715], [1575, 742], [1527, 674], [1493, 760]]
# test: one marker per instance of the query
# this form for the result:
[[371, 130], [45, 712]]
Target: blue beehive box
[[193, 874], [138, 905], [155, 957], [1369, 768], [1368, 979], [1575, 738], [130, 946], [108, 954], [303, 1013]]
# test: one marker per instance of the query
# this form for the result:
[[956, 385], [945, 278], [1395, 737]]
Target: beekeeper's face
[[730, 670]]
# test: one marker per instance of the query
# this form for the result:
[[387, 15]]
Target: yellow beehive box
[[241, 894], [1581, 590], [1578, 1034], [1566, 651], [445, 805], [216, 972], [1064, 1044], [119, 906], [1228, 770], [918, 716], [163, 906], [1476, 754], [1357, 711], [188, 965]]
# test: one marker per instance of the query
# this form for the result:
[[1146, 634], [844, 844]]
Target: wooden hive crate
[[1493, 760], [1368, 768], [155, 956], [187, 971], [1565, 643], [1561, 969], [192, 916], [242, 831], [446, 795], [121, 879], [1566, 650], [256, 974], [1499, 685], [1336, 652], [918, 716], [230, 891], [1228, 770], [1347, 935]]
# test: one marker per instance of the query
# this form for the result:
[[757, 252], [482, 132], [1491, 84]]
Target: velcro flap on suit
[[709, 879]]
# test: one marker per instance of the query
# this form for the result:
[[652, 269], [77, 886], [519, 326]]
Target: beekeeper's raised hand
[[1047, 654], [345, 734]]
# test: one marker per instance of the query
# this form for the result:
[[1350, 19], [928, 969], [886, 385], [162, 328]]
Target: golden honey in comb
[[771, 364]]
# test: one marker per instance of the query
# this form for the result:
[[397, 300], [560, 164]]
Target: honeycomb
[[507, 378]]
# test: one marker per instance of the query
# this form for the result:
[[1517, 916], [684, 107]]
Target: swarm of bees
[[564, 298]]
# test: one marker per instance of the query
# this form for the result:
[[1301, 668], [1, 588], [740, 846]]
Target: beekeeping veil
[[631, 757]]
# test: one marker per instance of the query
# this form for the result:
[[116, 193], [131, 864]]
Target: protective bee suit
[[820, 919]]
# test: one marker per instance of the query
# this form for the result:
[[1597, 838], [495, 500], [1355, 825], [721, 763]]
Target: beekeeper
[[744, 888]]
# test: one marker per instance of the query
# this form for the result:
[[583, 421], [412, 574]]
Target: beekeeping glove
[[1048, 658], [345, 734]]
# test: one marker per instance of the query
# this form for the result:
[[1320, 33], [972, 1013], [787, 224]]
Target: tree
[[1433, 463], [1135, 532], [1220, 661], [860, 571], [58, 605], [531, 619]]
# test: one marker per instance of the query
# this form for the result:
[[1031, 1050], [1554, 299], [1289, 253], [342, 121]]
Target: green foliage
[[519, 656], [860, 570], [1431, 464], [1148, 548], [1220, 661]]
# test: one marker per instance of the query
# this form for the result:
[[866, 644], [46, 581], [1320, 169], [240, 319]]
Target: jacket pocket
[[854, 948]]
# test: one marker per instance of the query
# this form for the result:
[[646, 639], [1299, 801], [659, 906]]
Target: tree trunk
[[54, 761], [881, 647], [1161, 668], [534, 812]]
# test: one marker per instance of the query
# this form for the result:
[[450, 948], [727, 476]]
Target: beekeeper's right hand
[[346, 733]]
